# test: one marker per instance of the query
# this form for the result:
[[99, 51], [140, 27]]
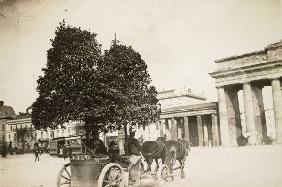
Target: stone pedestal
[[224, 131], [277, 107]]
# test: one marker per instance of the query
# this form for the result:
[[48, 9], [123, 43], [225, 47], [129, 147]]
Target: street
[[213, 167]]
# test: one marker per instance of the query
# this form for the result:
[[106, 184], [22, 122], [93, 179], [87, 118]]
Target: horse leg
[[163, 157], [149, 162], [182, 162], [157, 164]]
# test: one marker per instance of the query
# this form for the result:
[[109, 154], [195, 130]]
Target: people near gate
[[134, 149], [69, 150], [135, 158], [100, 149], [36, 153], [113, 152], [65, 152]]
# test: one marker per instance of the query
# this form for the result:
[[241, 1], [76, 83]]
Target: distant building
[[185, 115], [18, 130]]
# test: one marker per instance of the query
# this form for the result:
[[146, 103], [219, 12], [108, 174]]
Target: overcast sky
[[178, 39]]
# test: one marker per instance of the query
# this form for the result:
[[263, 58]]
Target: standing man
[[69, 151], [65, 152], [36, 152], [134, 152]]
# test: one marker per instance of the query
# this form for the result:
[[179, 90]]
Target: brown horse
[[153, 150], [177, 151]]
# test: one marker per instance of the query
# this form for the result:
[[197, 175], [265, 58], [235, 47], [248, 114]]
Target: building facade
[[184, 115]]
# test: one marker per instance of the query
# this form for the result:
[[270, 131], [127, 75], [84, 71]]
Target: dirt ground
[[256, 166]]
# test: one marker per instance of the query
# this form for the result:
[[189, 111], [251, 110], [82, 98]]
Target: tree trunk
[[125, 139]]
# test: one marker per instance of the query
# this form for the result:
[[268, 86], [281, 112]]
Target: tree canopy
[[67, 88], [125, 86], [106, 91]]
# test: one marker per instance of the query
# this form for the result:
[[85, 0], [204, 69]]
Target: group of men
[[132, 146]]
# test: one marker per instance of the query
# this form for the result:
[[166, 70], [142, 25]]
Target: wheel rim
[[112, 177], [64, 178]]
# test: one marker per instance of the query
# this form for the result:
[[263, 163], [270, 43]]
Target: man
[[36, 152], [65, 152], [100, 149], [69, 150], [113, 152], [134, 152]]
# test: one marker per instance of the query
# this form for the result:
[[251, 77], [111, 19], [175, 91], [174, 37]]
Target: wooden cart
[[86, 171]]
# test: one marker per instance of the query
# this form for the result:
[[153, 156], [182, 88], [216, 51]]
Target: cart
[[84, 170]]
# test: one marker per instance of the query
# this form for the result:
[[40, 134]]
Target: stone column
[[162, 126], [205, 131], [215, 137], [168, 130], [277, 107], [249, 114], [121, 141], [223, 117], [186, 128], [200, 130], [260, 121], [173, 129], [233, 111]]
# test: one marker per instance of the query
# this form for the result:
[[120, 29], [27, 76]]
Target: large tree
[[106, 91], [67, 89], [125, 83]]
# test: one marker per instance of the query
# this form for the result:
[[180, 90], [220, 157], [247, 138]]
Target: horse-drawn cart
[[84, 170]]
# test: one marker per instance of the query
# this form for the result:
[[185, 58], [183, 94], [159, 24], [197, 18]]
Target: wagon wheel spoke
[[67, 172], [113, 177], [67, 178], [64, 177]]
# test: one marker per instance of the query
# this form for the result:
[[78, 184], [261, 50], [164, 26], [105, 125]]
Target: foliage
[[124, 83], [67, 89], [104, 91]]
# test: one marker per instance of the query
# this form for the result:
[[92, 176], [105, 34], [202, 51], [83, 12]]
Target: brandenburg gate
[[250, 73]]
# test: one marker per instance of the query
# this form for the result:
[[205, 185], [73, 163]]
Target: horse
[[153, 150], [177, 151]]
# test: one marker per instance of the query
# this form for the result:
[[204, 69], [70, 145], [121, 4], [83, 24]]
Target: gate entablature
[[265, 64]]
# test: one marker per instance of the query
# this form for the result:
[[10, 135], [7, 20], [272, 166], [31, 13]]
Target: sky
[[178, 39]]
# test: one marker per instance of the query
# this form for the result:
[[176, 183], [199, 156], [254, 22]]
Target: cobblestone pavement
[[213, 167]]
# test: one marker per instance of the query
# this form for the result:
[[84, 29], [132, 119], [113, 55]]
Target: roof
[[7, 112]]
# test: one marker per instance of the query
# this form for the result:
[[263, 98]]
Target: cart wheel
[[163, 174], [64, 177], [111, 175]]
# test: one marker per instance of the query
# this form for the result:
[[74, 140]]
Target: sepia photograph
[[141, 93]]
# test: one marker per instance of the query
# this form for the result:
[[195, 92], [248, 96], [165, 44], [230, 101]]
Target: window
[[11, 128]]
